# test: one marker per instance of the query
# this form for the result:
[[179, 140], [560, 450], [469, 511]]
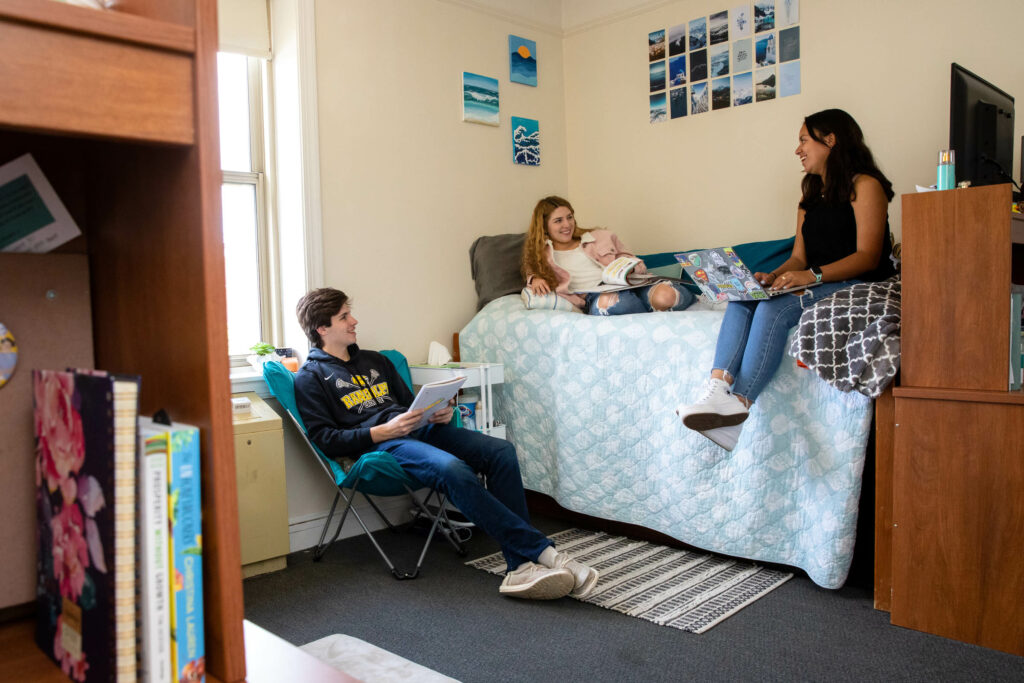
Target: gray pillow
[[494, 262]]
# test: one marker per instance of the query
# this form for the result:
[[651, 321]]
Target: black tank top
[[830, 234]]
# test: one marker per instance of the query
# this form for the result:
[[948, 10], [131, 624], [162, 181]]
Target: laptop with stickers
[[722, 276]]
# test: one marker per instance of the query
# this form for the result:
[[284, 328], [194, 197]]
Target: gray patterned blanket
[[852, 338]]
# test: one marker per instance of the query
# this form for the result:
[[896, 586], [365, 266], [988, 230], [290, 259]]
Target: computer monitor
[[980, 129]]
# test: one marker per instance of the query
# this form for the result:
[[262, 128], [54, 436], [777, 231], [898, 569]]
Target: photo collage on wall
[[480, 101], [745, 54]]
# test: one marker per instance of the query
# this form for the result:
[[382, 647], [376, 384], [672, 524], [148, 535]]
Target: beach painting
[[739, 22], [764, 84], [522, 60], [656, 45], [699, 98], [657, 76], [742, 89], [479, 99], [789, 79], [677, 102], [525, 141], [659, 110]]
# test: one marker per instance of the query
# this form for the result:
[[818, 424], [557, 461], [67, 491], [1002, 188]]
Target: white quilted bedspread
[[588, 402]]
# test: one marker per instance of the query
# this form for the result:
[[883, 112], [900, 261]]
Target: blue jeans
[[449, 458], [637, 300], [752, 339]]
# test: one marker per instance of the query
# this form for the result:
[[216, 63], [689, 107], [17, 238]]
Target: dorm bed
[[589, 403]]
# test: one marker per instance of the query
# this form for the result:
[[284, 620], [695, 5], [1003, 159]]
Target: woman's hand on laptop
[[765, 278], [793, 278]]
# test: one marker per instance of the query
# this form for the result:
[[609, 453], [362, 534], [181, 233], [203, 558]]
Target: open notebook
[[722, 276]]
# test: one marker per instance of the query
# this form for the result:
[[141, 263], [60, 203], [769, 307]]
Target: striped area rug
[[687, 590]]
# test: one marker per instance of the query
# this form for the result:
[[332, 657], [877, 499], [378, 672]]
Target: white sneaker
[[718, 407], [584, 577], [532, 581], [726, 437]]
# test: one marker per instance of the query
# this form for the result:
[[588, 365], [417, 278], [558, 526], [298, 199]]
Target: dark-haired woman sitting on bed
[[842, 238]]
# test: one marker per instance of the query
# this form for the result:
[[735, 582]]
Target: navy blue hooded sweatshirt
[[340, 400]]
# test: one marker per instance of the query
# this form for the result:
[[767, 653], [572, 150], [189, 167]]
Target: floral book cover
[[85, 426]]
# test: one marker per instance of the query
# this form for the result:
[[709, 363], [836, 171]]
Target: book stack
[[119, 569]]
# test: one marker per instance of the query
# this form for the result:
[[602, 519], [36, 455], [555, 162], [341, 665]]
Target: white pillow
[[546, 302]]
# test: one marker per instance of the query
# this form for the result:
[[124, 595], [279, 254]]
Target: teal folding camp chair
[[376, 473]]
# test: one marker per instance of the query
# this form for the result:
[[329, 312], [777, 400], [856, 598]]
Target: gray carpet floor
[[453, 620]]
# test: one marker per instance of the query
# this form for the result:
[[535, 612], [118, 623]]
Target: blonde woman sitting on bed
[[561, 257]]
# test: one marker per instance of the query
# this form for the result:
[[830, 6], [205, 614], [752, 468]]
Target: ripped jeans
[[752, 339], [637, 300]]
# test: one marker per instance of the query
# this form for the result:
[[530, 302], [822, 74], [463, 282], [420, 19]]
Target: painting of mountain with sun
[[522, 61], [479, 99], [525, 141]]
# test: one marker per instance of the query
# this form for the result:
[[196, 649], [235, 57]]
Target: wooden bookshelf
[[957, 513], [119, 109]]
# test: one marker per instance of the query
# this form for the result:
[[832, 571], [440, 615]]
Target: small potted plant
[[262, 352]]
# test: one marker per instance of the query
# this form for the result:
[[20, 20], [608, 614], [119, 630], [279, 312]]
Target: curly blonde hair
[[535, 261]]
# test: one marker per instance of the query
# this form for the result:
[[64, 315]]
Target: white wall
[[730, 176], [407, 185]]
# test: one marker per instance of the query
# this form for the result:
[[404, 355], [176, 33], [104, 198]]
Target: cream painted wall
[[406, 184], [730, 176]]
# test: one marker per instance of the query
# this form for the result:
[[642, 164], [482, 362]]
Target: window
[[249, 262]]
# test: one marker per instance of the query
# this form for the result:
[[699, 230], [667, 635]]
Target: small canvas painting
[[677, 71], [657, 76], [764, 50], [479, 99], [787, 12], [698, 65], [677, 102], [742, 55], [699, 98], [677, 40], [789, 79], [720, 93], [659, 108], [764, 15], [525, 141], [764, 84], [789, 44], [719, 58], [718, 28], [742, 89], [522, 60], [656, 45], [698, 33], [739, 21]]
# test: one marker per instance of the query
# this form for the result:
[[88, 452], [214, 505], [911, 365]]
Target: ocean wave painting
[[719, 56], [479, 99], [522, 60], [525, 141], [657, 76]]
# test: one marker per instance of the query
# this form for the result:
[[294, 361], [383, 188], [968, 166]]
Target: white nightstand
[[483, 375]]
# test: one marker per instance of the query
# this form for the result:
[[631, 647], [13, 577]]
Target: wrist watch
[[816, 272]]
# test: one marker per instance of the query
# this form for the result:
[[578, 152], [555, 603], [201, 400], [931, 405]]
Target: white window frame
[[260, 143]]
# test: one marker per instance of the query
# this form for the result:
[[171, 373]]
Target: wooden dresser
[[952, 495]]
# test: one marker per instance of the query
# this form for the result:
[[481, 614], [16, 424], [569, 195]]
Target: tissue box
[[241, 406]]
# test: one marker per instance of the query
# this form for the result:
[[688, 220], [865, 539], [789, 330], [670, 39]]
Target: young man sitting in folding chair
[[353, 401]]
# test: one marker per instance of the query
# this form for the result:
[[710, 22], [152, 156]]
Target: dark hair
[[848, 158], [316, 309]]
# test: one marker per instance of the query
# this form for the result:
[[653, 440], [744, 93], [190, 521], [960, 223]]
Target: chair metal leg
[[318, 551]]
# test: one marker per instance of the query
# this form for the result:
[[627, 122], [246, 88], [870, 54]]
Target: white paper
[[434, 396], [33, 219], [922, 188]]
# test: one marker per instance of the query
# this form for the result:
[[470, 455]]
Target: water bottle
[[946, 173]]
